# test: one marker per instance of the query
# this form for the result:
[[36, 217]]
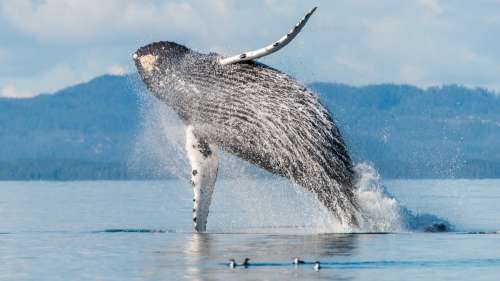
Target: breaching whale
[[254, 112]]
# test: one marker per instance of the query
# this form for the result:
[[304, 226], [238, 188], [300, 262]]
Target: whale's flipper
[[282, 42], [204, 161]]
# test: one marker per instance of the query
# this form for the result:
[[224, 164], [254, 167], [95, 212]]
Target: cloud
[[10, 91], [94, 20], [423, 42], [431, 5], [116, 70], [50, 80]]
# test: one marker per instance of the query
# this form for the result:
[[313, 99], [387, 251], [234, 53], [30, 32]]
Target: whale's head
[[153, 57], [181, 77], [160, 64], [173, 73]]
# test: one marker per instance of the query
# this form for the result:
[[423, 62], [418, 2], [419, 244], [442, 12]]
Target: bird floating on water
[[232, 263], [297, 261], [246, 262], [317, 266]]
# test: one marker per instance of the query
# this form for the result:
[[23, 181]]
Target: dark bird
[[246, 262], [317, 266], [297, 261]]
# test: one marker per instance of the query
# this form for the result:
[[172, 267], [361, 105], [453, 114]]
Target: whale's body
[[256, 113]]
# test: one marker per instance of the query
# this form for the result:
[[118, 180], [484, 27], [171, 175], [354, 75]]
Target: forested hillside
[[87, 131]]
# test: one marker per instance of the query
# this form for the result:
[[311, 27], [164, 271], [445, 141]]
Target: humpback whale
[[255, 112]]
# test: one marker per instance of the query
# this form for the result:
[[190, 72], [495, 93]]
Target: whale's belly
[[270, 120]]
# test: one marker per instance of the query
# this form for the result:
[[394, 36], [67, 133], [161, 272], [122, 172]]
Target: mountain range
[[91, 130]]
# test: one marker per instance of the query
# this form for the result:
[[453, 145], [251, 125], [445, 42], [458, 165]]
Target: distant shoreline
[[90, 131], [86, 170], [179, 178]]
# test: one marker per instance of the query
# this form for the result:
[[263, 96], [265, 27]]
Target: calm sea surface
[[110, 230]]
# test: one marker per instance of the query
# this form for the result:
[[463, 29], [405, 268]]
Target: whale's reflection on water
[[360, 256], [206, 255], [269, 247]]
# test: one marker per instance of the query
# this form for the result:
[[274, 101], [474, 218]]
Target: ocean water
[[141, 230]]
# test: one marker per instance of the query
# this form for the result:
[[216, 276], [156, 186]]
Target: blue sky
[[49, 44]]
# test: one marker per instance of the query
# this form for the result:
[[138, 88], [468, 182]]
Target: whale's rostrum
[[255, 112]]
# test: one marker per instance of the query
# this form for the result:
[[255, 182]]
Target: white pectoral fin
[[282, 42], [204, 161]]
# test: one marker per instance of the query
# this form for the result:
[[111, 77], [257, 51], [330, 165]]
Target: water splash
[[158, 149], [287, 208], [159, 152], [380, 212]]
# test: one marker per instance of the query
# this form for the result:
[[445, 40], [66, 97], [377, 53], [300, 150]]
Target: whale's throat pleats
[[204, 161]]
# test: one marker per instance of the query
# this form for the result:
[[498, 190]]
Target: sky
[[46, 45]]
